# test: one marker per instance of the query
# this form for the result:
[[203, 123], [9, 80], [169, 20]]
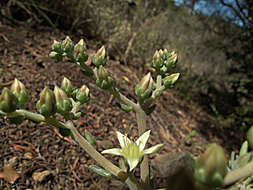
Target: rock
[[175, 168]]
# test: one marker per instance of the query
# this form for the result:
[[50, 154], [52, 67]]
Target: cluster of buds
[[211, 166], [62, 100], [163, 61], [147, 90], [66, 48], [13, 98]]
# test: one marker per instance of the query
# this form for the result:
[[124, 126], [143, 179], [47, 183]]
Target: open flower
[[133, 151]]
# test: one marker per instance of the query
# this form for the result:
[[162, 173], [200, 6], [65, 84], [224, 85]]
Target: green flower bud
[[144, 88], [211, 166], [79, 52], [56, 56], [250, 137], [63, 103], [171, 60], [8, 101], [56, 47], [82, 94], [170, 80], [67, 45], [102, 73], [47, 103], [157, 61], [244, 148], [99, 58], [104, 80], [19, 90], [67, 86]]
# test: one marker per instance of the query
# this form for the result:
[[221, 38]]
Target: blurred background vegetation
[[213, 37]]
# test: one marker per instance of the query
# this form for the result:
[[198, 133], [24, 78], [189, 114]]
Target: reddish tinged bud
[[211, 166], [67, 86], [99, 58], [63, 103], [47, 103], [19, 90], [82, 94], [8, 101]]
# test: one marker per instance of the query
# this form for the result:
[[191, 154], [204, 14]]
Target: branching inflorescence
[[211, 170]]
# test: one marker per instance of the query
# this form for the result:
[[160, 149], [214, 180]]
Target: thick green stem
[[29, 115], [123, 99], [96, 155], [131, 185], [238, 174], [141, 121]]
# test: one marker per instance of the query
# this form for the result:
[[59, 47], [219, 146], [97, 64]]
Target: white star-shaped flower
[[133, 151]]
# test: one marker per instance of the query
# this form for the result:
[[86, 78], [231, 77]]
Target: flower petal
[[142, 140], [132, 163], [152, 149], [114, 151], [123, 139]]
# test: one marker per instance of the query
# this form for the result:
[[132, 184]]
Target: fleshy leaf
[[100, 171]]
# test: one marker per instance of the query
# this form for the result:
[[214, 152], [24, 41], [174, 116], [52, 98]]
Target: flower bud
[[99, 58], [250, 137], [82, 94], [144, 88], [8, 101], [56, 56], [171, 60], [67, 45], [79, 52], [104, 80], [170, 80], [161, 53], [67, 86], [211, 166], [47, 103], [56, 47], [102, 73], [244, 148], [63, 103], [19, 90], [157, 61]]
